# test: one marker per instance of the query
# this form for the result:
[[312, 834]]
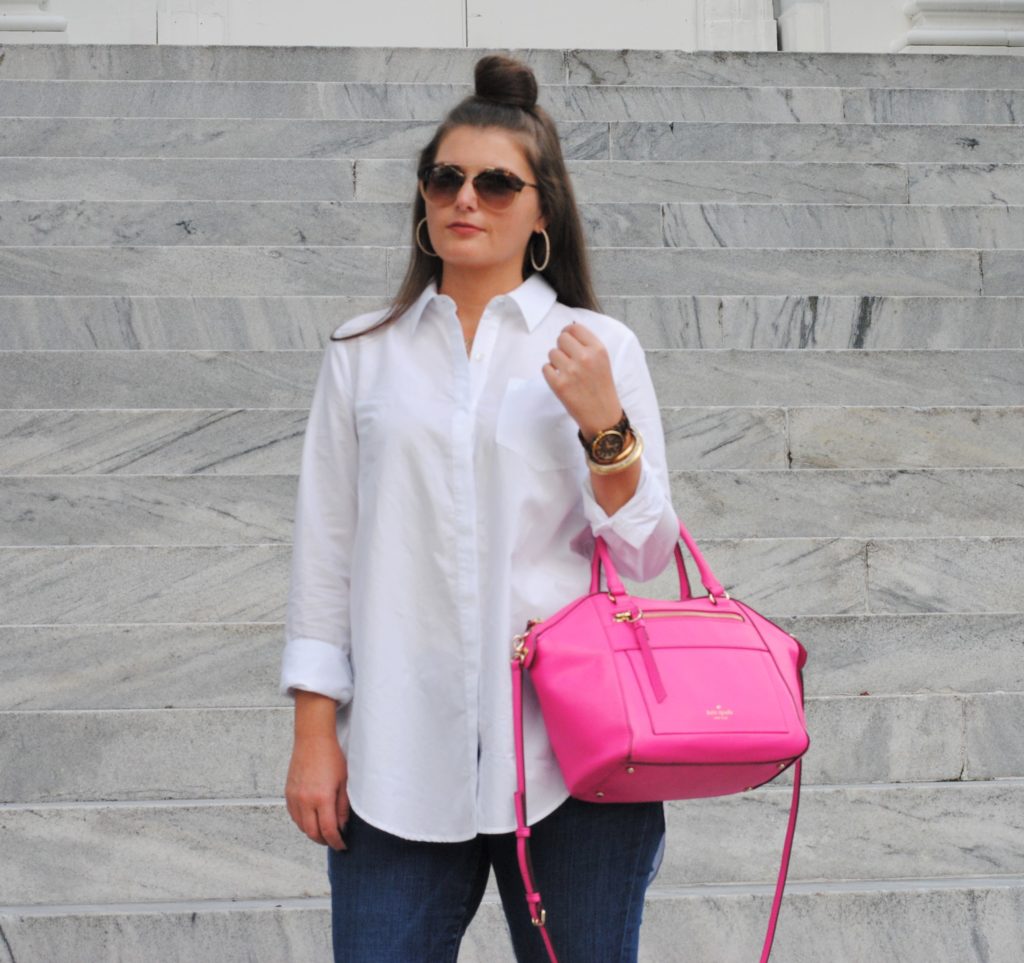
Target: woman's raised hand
[[315, 791], [579, 372]]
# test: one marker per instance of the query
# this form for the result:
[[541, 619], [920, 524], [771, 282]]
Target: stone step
[[758, 103], [980, 923], [268, 441], [433, 65], [377, 271], [338, 179], [285, 379], [160, 754], [694, 141], [679, 140], [54, 510], [247, 583], [249, 849], [266, 323], [207, 665], [651, 225]]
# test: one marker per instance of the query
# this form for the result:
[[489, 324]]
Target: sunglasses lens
[[496, 188], [442, 184]]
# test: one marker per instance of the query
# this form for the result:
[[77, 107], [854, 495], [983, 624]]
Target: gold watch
[[607, 446]]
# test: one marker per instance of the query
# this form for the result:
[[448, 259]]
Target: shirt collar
[[533, 299]]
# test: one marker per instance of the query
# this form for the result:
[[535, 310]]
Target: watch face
[[608, 446]]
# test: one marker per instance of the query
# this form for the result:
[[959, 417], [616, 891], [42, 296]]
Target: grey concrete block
[[966, 184], [661, 271], [211, 441], [811, 321], [906, 437], [33, 323], [156, 379], [103, 853], [843, 226], [141, 510], [889, 503], [848, 833], [270, 137], [156, 179], [137, 583], [945, 575], [718, 437], [926, 652], [894, 105], [1002, 272], [129, 754], [240, 63], [214, 270], [789, 378], [794, 143], [922, 921], [791, 68], [137, 666], [666, 181], [995, 734]]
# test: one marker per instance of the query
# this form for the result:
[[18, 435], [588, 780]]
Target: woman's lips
[[464, 230]]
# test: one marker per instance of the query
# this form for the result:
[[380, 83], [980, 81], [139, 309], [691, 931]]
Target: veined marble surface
[[234, 271], [967, 183], [274, 322], [95, 853], [671, 67], [907, 437], [258, 99], [138, 666], [297, 137], [945, 574], [842, 226], [179, 178], [971, 143]]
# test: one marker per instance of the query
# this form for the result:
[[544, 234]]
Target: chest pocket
[[534, 424]]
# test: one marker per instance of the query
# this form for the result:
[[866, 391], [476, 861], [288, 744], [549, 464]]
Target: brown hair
[[506, 97]]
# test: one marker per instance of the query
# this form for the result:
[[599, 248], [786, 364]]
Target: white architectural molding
[[736, 25], [803, 25], [30, 16], [198, 22], [964, 23]]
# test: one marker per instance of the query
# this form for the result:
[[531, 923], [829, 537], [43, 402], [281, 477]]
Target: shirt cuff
[[315, 666], [634, 521]]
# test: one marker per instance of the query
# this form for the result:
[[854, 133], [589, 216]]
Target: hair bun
[[505, 81]]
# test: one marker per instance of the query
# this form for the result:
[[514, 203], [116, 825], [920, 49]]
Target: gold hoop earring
[[547, 253], [419, 242]]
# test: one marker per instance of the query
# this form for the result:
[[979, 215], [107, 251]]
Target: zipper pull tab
[[646, 653]]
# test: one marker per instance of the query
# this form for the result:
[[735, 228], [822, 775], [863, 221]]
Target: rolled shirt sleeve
[[641, 535], [317, 648]]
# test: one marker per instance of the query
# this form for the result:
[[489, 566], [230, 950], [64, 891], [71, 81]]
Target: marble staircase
[[823, 255]]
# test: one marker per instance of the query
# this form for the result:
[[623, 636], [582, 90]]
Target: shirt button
[[479, 356]]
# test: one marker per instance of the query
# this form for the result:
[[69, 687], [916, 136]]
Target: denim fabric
[[395, 900]]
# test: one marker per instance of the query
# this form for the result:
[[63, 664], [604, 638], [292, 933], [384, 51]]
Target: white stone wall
[[984, 26]]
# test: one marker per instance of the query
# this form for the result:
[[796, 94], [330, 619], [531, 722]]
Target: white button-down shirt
[[442, 501]]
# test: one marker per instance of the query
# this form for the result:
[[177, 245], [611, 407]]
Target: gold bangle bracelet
[[616, 466]]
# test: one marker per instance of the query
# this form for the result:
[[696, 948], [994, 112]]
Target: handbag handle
[[602, 559]]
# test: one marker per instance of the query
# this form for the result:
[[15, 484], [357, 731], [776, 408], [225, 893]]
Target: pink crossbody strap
[[533, 898], [537, 913]]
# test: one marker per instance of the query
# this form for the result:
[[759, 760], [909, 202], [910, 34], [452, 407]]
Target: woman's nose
[[466, 198]]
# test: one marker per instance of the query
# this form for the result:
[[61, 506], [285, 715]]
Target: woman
[[444, 498]]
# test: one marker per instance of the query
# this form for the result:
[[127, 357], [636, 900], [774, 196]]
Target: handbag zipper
[[628, 616]]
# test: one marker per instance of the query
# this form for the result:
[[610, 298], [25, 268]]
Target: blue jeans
[[395, 900]]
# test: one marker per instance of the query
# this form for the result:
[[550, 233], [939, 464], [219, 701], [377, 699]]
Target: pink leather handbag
[[646, 699]]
